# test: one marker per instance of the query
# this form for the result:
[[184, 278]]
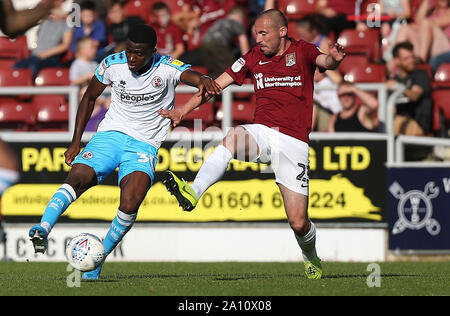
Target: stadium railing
[[227, 99], [397, 144]]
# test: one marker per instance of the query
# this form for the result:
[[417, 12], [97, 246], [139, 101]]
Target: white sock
[[308, 243], [212, 170]]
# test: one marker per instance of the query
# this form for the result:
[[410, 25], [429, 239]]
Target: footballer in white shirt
[[142, 83]]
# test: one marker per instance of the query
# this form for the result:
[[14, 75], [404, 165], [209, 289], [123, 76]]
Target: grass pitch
[[226, 279]]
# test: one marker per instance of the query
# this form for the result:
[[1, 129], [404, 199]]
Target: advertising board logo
[[415, 209]]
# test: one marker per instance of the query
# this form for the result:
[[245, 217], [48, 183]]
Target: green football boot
[[313, 269], [181, 190]]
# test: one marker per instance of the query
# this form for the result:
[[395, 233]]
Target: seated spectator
[[207, 12], [100, 108], [354, 117], [430, 31], [184, 17], [326, 103], [53, 41], [91, 27], [170, 36], [335, 14], [119, 26], [311, 29], [218, 42], [398, 11], [83, 67], [414, 108], [258, 6], [100, 7], [212, 11]]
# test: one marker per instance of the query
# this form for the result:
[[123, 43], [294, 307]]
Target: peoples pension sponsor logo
[[136, 98]]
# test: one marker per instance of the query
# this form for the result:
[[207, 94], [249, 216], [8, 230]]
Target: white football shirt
[[136, 99]]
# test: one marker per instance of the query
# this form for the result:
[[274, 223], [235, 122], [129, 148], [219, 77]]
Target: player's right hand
[[71, 153], [175, 115]]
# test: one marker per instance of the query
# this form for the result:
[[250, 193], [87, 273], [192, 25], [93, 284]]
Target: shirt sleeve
[[103, 72], [238, 71], [177, 67], [311, 52]]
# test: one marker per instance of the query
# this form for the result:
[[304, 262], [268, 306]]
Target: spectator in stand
[[258, 6], [310, 29], [184, 16], [100, 6], [90, 26], [430, 31], [53, 41], [84, 65], [354, 117], [119, 26], [101, 106], [170, 36], [414, 108], [211, 11], [326, 102], [218, 44], [399, 11], [207, 12], [335, 14]]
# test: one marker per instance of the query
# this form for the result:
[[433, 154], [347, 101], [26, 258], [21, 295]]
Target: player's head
[[270, 29], [140, 47], [404, 56]]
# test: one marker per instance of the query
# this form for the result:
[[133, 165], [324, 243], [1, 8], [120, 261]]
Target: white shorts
[[289, 156]]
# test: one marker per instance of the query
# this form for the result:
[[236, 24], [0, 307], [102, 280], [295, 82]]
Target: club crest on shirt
[[157, 82], [291, 60], [238, 64], [87, 155]]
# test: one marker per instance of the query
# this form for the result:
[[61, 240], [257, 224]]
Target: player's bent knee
[[300, 225], [129, 205], [81, 178], [234, 136]]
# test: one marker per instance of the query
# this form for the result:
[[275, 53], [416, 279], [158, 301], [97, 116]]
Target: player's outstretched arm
[[84, 112], [333, 59], [177, 115], [14, 23]]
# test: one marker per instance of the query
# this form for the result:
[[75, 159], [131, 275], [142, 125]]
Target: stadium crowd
[[391, 42]]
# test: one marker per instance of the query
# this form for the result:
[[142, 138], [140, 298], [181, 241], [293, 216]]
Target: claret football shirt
[[283, 85]]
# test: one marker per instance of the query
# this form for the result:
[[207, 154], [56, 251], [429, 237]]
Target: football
[[85, 252]]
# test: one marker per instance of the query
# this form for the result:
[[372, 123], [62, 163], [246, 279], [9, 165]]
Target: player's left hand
[[337, 51], [209, 86]]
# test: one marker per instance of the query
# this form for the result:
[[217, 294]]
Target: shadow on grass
[[358, 276], [239, 277]]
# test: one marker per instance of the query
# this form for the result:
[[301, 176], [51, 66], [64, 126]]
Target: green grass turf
[[227, 279]]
